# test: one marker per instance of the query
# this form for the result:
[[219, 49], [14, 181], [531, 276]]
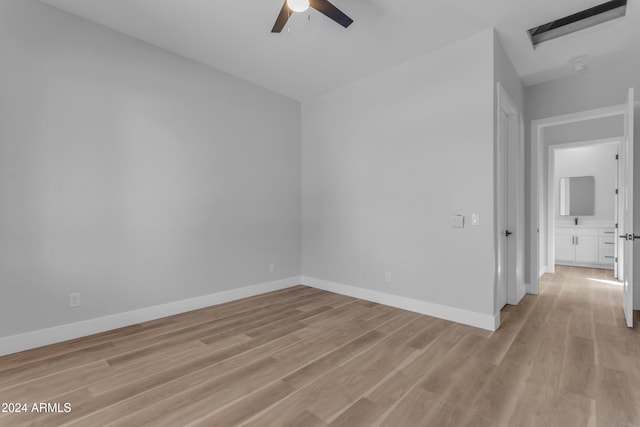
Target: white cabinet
[[565, 249], [586, 249], [584, 246]]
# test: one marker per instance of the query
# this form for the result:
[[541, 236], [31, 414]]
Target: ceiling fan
[[322, 6]]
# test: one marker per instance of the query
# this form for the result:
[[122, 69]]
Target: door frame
[[513, 177], [627, 166], [552, 196], [539, 225]]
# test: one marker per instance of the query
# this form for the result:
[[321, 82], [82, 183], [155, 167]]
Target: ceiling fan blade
[[282, 19], [328, 9]]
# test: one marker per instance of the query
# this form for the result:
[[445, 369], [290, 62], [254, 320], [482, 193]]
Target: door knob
[[629, 237]]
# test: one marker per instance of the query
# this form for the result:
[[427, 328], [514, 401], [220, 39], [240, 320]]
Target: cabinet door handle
[[576, 240], [573, 240]]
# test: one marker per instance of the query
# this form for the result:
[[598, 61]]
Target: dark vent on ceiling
[[578, 21]]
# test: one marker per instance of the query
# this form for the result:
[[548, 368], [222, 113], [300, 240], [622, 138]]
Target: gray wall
[[602, 86], [506, 75], [587, 130], [387, 161], [133, 176]]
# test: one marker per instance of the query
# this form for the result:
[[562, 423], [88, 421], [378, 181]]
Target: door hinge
[[617, 156], [616, 259], [616, 225], [616, 191]]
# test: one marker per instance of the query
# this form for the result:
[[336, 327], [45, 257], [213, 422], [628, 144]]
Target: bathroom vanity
[[585, 246]]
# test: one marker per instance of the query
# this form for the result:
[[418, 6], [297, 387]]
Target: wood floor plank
[[413, 410], [309, 372], [579, 373], [332, 387], [441, 377], [189, 405], [395, 386], [244, 409], [614, 401], [363, 413], [541, 406], [499, 395], [306, 419]]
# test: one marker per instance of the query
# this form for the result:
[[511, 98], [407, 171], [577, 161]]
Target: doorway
[[538, 261], [581, 221]]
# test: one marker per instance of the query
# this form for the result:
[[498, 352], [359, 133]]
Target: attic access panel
[[578, 21]]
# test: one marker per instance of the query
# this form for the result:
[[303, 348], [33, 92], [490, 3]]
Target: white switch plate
[[475, 219], [457, 221], [387, 277], [74, 300]]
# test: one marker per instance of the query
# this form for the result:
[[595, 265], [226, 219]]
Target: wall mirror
[[577, 195]]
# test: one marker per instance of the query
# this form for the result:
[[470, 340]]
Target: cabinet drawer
[[607, 232], [606, 258], [607, 242], [607, 251]]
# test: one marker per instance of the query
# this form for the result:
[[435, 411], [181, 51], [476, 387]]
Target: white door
[[617, 252], [503, 213], [510, 203], [627, 213]]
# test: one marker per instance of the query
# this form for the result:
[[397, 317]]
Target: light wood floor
[[304, 357]]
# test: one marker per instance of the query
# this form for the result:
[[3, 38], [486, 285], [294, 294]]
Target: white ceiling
[[319, 55]]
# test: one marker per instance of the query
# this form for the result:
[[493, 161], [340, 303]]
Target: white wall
[[601, 86], [594, 160], [133, 176], [387, 161]]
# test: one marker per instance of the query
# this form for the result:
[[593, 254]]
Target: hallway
[[586, 369]]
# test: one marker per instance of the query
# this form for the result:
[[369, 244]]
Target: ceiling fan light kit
[[323, 6], [298, 5]]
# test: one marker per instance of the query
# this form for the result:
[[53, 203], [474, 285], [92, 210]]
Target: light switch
[[475, 219], [457, 221]]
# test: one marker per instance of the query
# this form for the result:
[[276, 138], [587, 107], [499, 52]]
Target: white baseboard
[[587, 265], [529, 287], [544, 269], [521, 290], [42, 337], [479, 320]]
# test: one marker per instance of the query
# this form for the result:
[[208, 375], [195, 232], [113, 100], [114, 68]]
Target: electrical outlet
[[387, 277], [272, 268], [74, 300]]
